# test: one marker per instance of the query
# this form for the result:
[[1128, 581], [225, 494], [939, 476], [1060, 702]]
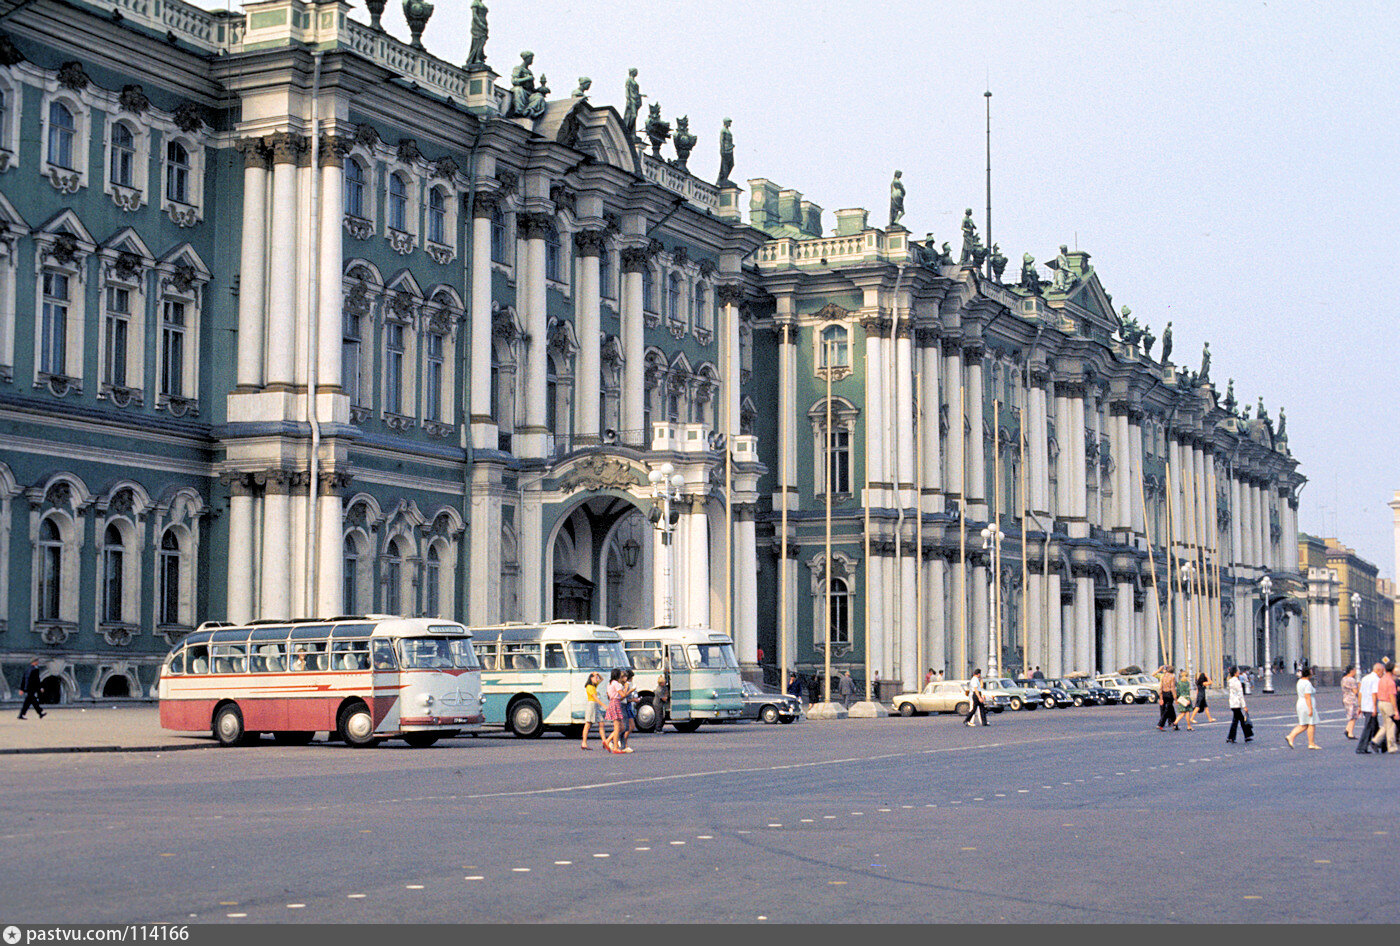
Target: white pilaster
[[953, 481], [483, 424], [252, 268], [330, 568], [536, 319], [274, 600], [331, 249], [240, 552], [746, 592], [633, 407], [976, 446], [282, 289], [588, 377]]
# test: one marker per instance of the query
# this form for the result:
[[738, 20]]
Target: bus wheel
[[420, 740], [293, 738], [228, 725], [525, 720], [686, 725], [356, 726], [646, 716]]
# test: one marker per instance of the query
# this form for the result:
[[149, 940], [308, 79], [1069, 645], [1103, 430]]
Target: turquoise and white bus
[[702, 669], [533, 675]]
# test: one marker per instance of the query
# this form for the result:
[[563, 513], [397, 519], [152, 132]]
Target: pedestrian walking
[[31, 690], [662, 701], [1385, 709], [794, 687], [629, 708], [1307, 710], [614, 713], [1351, 698], [1367, 694], [974, 695], [593, 710], [1239, 709], [1038, 675], [1166, 695], [1202, 681], [847, 689]]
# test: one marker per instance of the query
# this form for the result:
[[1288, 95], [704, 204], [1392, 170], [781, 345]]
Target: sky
[[1229, 166]]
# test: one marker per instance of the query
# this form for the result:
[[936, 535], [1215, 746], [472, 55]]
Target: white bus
[[361, 679], [702, 670], [533, 675]]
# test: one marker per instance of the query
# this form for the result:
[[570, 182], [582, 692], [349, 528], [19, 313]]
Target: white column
[[904, 420], [875, 433], [1261, 515], [1135, 497], [693, 566], [1122, 495], [483, 425], [663, 577], [876, 572], [252, 268], [296, 529], [746, 592], [1054, 627], [1038, 471], [1236, 518], [976, 447], [240, 563], [932, 441], [1151, 648], [1035, 621], [1079, 490], [980, 622], [1064, 466], [787, 415], [330, 567], [1084, 623], [907, 671], [484, 575], [1123, 651], [532, 552], [935, 620], [331, 247], [275, 600], [282, 288], [633, 406], [953, 484], [588, 376], [533, 228]]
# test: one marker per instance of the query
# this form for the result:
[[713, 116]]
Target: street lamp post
[[666, 486], [1188, 572], [1356, 631], [991, 542], [1266, 587]]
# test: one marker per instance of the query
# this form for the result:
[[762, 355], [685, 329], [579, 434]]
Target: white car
[[1128, 689]]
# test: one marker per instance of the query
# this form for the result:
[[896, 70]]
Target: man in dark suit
[[31, 690]]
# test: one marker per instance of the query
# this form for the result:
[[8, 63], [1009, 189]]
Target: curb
[[180, 747]]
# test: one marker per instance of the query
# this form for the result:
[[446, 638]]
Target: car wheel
[[769, 714], [525, 719], [356, 726], [1079, 701], [998, 709], [962, 709], [1016, 703], [1050, 702], [1128, 699], [293, 738], [646, 716], [906, 710], [420, 740], [228, 725], [686, 725]]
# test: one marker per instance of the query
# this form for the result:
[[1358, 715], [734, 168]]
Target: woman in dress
[[1199, 707], [593, 710], [1351, 699], [614, 714], [1307, 710]]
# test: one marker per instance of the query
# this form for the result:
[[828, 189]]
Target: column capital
[[591, 242], [1075, 388], [238, 483], [727, 294], [875, 325], [485, 204], [333, 482], [255, 152], [533, 225], [635, 259], [287, 147], [334, 148], [274, 482]]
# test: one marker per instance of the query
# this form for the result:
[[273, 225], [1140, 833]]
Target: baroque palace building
[[298, 319]]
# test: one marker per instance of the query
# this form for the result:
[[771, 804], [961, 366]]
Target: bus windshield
[[598, 655], [712, 656], [437, 653]]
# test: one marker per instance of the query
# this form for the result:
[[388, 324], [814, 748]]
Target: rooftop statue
[[527, 100], [479, 34], [1264, 414], [584, 84], [972, 249], [416, 14], [1282, 425], [1064, 278], [1129, 330], [998, 262], [1147, 341], [1167, 343], [657, 130], [683, 141], [1230, 403], [726, 154], [634, 96], [896, 198], [945, 255], [1205, 362], [1030, 279], [1244, 414]]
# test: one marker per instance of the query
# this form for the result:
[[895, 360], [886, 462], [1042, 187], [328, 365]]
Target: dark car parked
[[1054, 694], [769, 705]]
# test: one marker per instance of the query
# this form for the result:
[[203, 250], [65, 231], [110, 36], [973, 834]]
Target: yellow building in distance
[[1347, 600]]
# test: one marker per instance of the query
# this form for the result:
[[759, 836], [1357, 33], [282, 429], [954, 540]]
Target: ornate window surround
[[412, 174], [403, 306], [135, 195], [81, 103], [838, 371], [10, 121], [124, 262], [844, 415], [182, 277], [190, 212], [65, 500], [363, 289], [63, 245], [843, 569]]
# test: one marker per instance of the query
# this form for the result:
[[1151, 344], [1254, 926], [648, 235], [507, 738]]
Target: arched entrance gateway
[[601, 563]]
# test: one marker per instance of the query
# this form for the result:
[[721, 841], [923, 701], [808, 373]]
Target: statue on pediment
[[1167, 343], [527, 99], [1064, 277], [998, 262], [973, 251], [1148, 339], [1030, 278], [633, 96], [584, 84], [480, 32], [657, 129], [726, 154], [896, 198], [1205, 362], [683, 141], [1230, 403]]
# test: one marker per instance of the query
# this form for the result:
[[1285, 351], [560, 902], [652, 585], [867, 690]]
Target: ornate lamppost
[[666, 486], [991, 542], [1266, 588], [1188, 572], [1356, 631]]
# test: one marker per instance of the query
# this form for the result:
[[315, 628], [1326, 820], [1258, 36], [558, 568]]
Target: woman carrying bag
[[1239, 710]]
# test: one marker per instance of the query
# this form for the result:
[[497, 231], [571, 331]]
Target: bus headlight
[[481, 699], [426, 699], [714, 694]]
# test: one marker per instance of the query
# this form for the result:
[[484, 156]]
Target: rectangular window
[[432, 385], [116, 330], [552, 253], [172, 349], [112, 585], [62, 129], [169, 587], [349, 586], [605, 280], [498, 238], [177, 180], [54, 342], [393, 372], [350, 360], [437, 217], [839, 462]]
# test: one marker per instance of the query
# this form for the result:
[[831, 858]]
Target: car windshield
[[437, 653], [1006, 683], [598, 655], [712, 656], [751, 689]]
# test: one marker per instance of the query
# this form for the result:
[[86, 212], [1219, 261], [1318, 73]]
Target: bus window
[[350, 655], [554, 657], [486, 653], [230, 658], [353, 630], [645, 655], [268, 658], [309, 655], [598, 655], [382, 653], [425, 653], [175, 663], [520, 656], [712, 656], [463, 657], [197, 656], [677, 657]]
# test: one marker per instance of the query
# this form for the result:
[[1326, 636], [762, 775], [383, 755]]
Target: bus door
[[681, 700]]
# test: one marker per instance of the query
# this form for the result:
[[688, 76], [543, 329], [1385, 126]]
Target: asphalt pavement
[[1069, 816]]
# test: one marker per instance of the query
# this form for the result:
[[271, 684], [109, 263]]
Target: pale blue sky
[[1230, 166]]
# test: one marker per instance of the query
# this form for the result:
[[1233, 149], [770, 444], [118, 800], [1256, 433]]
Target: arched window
[[398, 203], [498, 237], [53, 349], [354, 188], [840, 612], [701, 315], [113, 564], [673, 297], [350, 579], [432, 380], [553, 253], [169, 611], [50, 571], [432, 583], [393, 579], [839, 461], [123, 155], [437, 216], [835, 349], [177, 173], [62, 131]]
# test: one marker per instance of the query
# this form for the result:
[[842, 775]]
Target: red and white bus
[[359, 679]]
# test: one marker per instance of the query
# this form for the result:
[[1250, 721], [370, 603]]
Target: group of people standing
[[1373, 699], [1170, 688], [618, 705]]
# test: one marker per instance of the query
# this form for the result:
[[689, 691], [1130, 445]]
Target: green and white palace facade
[[299, 320]]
